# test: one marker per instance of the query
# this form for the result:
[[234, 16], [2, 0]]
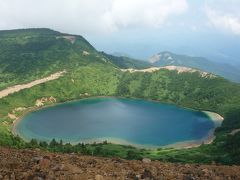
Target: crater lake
[[117, 120]]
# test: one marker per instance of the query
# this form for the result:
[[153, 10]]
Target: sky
[[137, 28]]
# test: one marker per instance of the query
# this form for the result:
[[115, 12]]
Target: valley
[[94, 74], [119, 90]]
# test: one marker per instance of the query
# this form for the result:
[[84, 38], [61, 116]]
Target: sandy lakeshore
[[217, 119], [16, 88]]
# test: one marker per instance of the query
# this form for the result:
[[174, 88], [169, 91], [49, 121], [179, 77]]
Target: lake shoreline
[[216, 118]]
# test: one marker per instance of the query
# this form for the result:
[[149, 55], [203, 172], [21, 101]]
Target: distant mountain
[[125, 62], [120, 54], [167, 58]]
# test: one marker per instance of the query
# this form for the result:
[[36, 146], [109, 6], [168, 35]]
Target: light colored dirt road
[[16, 88]]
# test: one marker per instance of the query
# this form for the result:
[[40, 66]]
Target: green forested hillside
[[90, 73], [29, 54]]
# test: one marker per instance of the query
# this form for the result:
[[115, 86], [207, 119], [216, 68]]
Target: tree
[[33, 143], [53, 143]]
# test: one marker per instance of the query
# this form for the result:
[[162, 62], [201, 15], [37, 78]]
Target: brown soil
[[37, 164]]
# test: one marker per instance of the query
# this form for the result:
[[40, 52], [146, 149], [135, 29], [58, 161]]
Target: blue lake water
[[134, 121]]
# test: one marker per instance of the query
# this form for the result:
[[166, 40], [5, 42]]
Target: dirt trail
[[179, 69], [16, 88]]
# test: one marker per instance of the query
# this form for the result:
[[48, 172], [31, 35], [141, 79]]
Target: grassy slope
[[30, 54], [95, 75]]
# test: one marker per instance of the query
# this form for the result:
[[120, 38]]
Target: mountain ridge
[[166, 58], [27, 54]]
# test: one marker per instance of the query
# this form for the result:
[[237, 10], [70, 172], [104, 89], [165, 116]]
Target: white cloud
[[86, 16], [225, 17], [150, 13]]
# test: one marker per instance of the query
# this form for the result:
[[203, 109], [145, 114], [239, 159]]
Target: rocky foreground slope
[[37, 164]]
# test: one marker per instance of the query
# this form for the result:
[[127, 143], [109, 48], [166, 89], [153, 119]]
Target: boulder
[[146, 160]]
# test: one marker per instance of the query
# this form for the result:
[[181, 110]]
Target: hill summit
[[167, 58]]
